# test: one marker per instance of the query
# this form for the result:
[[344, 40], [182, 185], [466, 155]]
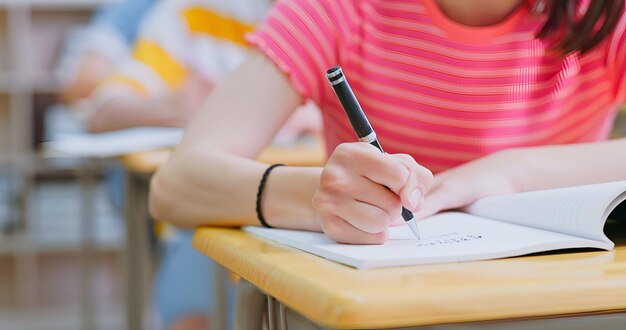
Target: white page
[[116, 143], [578, 211], [447, 237]]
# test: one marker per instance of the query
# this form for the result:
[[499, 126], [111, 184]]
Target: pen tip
[[414, 228]]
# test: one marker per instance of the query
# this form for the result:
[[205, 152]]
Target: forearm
[[133, 111], [91, 70], [209, 187], [569, 165], [212, 180]]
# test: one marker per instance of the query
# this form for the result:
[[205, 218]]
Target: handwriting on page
[[448, 238]]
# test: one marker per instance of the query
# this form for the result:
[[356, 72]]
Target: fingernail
[[420, 205], [414, 198]]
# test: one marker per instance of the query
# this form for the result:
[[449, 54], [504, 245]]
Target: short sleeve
[[616, 59], [300, 37]]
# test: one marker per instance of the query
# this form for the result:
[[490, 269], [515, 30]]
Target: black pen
[[360, 124]]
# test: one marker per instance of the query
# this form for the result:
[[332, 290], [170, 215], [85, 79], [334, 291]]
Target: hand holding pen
[[363, 190]]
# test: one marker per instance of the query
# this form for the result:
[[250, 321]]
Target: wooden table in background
[[581, 290], [140, 167], [310, 154]]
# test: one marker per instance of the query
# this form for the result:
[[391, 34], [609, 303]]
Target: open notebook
[[493, 227]]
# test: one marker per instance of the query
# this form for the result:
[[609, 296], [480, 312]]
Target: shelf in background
[[55, 4]]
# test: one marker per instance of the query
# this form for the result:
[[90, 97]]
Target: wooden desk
[[523, 289], [300, 155]]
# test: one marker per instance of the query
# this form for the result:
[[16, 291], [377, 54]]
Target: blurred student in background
[[91, 53], [184, 49], [494, 96]]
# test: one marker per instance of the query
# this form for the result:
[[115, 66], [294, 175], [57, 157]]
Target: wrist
[[86, 108], [287, 196], [259, 194], [522, 167]]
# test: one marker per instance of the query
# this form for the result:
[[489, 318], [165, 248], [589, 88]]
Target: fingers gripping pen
[[361, 124]]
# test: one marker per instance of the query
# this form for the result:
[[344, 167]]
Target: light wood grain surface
[[304, 154], [146, 162], [337, 296]]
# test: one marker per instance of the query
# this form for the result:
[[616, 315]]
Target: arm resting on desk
[[211, 175], [527, 169], [134, 110], [118, 106]]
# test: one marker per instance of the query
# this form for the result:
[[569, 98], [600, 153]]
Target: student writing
[[492, 96]]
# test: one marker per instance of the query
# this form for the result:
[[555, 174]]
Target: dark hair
[[580, 32]]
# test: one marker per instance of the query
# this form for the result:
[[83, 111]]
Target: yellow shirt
[[181, 36]]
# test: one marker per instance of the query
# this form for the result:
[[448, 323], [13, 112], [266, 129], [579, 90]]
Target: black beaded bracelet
[[259, 194]]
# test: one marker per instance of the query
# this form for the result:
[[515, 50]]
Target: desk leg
[[87, 186], [282, 316], [271, 313], [26, 266], [297, 321], [248, 307], [286, 318], [277, 319], [220, 282], [136, 251]]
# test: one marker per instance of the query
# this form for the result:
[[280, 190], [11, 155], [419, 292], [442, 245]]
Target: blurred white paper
[[116, 143]]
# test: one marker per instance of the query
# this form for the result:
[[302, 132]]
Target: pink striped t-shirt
[[440, 91]]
